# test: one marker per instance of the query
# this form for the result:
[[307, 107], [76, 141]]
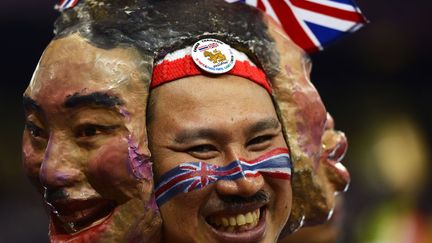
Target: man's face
[[217, 121], [80, 107]]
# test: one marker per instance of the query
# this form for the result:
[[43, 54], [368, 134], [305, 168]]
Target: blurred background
[[376, 84]]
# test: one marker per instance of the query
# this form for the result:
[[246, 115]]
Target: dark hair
[[158, 27]]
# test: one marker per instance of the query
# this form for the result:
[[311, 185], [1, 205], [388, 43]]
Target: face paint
[[196, 175]]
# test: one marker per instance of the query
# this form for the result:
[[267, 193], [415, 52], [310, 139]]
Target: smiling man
[[241, 145], [229, 119]]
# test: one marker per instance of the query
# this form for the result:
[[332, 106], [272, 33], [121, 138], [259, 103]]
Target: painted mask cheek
[[109, 173], [139, 164], [196, 175]]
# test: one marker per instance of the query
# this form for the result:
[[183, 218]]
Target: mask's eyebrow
[[96, 98], [30, 104], [262, 125]]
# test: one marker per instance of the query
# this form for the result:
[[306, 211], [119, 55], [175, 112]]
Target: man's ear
[[334, 147]]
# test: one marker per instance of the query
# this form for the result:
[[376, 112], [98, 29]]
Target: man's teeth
[[239, 222]]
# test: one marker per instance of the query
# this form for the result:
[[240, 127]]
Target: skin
[[76, 151], [215, 125]]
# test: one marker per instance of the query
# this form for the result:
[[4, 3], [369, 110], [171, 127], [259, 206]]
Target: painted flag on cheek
[[312, 24], [192, 176]]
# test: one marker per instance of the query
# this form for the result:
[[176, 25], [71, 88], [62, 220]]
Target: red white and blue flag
[[65, 4], [312, 24], [196, 175]]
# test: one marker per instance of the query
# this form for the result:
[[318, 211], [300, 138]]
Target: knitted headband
[[207, 57]]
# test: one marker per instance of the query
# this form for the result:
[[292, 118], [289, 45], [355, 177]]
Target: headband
[[206, 57]]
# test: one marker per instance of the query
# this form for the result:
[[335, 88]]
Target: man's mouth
[[74, 216], [247, 226], [235, 223]]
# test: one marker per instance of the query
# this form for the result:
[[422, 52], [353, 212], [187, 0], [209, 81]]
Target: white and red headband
[[207, 57]]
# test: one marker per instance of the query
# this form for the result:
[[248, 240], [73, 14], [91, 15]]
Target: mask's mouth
[[236, 223], [75, 216]]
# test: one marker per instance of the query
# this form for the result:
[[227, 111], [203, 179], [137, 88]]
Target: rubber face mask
[[84, 147]]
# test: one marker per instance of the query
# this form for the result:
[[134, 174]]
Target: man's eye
[[205, 151], [260, 140], [35, 131], [90, 130], [202, 149]]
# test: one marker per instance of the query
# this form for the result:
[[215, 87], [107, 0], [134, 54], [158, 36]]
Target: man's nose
[[244, 187], [60, 166]]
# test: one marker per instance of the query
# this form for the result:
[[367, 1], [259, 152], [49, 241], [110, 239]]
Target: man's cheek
[[109, 171], [178, 210]]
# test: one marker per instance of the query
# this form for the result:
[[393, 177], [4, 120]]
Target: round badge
[[213, 56]]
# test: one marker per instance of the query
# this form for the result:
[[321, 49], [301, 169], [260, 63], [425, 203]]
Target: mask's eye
[[35, 131], [205, 151], [91, 130]]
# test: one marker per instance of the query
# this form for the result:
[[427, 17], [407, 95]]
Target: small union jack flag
[[196, 175], [312, 24], [65, 4]]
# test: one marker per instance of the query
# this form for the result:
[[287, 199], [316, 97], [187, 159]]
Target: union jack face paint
[[192, 176]]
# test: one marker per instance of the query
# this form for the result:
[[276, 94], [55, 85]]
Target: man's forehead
[[212, 87], [217, 102]]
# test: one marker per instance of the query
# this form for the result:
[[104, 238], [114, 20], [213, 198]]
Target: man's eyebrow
[[262, 125], [189, 135], [30, 104], [96, 98]]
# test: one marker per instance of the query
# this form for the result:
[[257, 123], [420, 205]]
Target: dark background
[[373, 75]]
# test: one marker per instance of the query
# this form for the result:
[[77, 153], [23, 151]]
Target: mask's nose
[[61, 164]]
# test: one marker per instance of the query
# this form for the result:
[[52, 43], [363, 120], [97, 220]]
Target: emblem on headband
[[213, 56]]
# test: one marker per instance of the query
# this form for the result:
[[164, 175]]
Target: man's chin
[[248, 225]]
